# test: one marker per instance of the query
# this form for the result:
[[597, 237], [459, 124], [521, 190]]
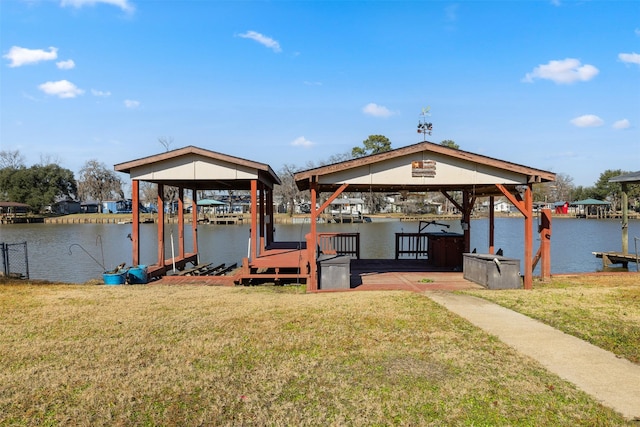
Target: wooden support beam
[[526, 209], [270, 220], [452, 200], [492, 220], [333, 197], [194, 222], [254, 219], [261, 204], [545, 244], [528, 237], [625, 219], [312, 239], [180, 222], [135, 226], [161, 225]]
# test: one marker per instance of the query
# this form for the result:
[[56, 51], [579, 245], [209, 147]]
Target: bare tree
[[166, 142], [561, 190], [11, 159], [148, 193], [287, 191], [49, 159], [170, 193], [98, 183]]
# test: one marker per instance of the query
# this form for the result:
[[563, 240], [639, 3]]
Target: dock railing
[[340, 244], [411, 245]]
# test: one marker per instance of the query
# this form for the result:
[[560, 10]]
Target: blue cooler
[[138, 275]]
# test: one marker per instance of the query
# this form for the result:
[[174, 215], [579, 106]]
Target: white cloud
[[301, 141], [262, 39], [61, 89], [125, 5], [587, 121], [622, 124], [66, 65], [20, 56], [101, 93], [630, 58], [565, 71], [376, 110], [130, 103]]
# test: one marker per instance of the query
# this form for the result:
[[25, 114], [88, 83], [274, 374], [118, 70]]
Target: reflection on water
[[54, 253]]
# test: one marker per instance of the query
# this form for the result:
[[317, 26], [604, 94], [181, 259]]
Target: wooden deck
[[413, 275], [609, 258], [281, 261]]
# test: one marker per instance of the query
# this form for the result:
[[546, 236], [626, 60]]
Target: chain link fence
[[15, 260]]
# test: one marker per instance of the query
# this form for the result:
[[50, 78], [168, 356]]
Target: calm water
[[57, 252]]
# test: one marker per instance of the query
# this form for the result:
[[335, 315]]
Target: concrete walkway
[[612, 381]]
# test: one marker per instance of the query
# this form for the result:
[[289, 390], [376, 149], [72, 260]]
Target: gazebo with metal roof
[[429, 167]]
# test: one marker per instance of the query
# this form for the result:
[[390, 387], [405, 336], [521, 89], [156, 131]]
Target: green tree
[[581, 192], [605, 190], [373, 145], [450, 143], [37, 186], [98, 183]]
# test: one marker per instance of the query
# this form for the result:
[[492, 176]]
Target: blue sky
[[553, 85]]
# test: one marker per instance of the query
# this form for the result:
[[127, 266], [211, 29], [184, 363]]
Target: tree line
[[45, 183]]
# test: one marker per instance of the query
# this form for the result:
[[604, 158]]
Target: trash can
[[492, 271], [334, 272]]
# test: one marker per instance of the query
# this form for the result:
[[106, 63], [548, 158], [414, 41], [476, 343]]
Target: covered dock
[[194, 169], [459, 175], [623, 257]]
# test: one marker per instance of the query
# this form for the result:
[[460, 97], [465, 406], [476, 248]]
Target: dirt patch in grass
[[603, 309], [160, 355]]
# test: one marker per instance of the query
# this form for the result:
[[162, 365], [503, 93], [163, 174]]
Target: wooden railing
[[340, 244], [411, 245]]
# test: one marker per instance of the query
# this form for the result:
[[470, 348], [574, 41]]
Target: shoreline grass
[[161, 355]]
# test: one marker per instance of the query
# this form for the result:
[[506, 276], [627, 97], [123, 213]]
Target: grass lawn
[[603, 309], [161, 355]]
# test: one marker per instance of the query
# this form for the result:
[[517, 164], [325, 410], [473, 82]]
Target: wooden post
[[135, 226], [528, 237], [270, 220], [194, 222], [467, 206], [254, 219], [625, 219], [262, 216], [526, 209], [181, 223], [161, 225], [545, 244], [312, 282], [492, 217]]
